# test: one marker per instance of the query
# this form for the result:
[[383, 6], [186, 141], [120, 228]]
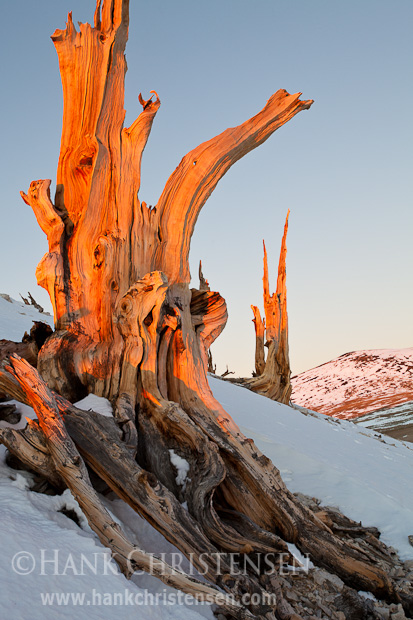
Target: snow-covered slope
[[46, 553], [52, 568], [17, 318], [396, 421], [369, 479], [337, 461], [357, 383]]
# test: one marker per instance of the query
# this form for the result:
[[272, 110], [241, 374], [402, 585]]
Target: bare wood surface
[[70, 466], [259, 325], [272, 376], [129, 328]]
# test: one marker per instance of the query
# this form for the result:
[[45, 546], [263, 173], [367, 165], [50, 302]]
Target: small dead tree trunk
[[259, 325], [272, 377], [211, 367], [129, 328], [203, 283]]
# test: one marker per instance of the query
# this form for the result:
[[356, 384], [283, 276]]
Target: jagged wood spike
[[203, 283], [129, 328], [273, 376], [259, 325]]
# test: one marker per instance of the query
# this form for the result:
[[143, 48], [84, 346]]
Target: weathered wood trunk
[[102, 239], [259, 325], [129, 328], [272, 376]]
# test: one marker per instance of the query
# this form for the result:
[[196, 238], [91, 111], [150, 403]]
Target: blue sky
[[343, 168]]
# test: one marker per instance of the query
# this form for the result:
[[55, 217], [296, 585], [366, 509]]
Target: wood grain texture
[[129, 328], [272, 376]]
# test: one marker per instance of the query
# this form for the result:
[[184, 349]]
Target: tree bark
[[70, 467], [129, 328], [236, 498], [272, 376], [259, 325], [97, 254]]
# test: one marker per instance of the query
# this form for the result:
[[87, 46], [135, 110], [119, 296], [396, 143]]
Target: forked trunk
[[272, 376], [129, 328]]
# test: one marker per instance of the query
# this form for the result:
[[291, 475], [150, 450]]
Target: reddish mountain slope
[[357, 383]]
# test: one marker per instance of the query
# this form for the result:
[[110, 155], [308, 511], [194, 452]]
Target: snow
[[334, 460], [305, 561], [181, 466], [17, 318], [357, 383], [45, 553], [97, 404], [367, 595], [24, 410], [90, 403], [382, 420]]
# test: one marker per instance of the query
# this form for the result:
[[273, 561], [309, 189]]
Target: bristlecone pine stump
[[129, 328], [272, 375]]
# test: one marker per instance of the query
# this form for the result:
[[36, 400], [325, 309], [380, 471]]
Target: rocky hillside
[[396, 421], [357, 383]]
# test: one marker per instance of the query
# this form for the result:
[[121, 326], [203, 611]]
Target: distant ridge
[[357, 383]]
